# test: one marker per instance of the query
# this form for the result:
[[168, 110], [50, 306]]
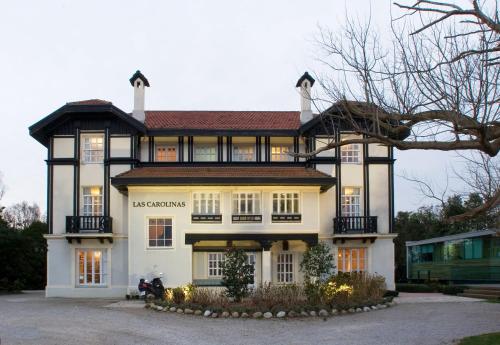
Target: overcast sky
[[200, 55]]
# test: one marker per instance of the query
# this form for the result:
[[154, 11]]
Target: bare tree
[[421, 91], [22, 215]]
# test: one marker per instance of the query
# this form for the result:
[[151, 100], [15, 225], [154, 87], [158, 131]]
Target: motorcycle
[[155, 288]]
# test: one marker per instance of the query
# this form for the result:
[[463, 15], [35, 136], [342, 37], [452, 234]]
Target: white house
[[134, 194]]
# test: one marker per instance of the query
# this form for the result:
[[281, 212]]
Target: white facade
[[117, 213]]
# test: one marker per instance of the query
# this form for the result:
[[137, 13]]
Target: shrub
[[178, 296], [414, 288], [269, 295], [237, 274], [451, 289], [317, 264], [206, 297]]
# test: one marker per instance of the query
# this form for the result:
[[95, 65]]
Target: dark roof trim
[[264, 239], [139, 75], [305, 76], [39, 129]]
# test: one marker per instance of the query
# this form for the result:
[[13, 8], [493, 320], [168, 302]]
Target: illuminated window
[[92, 201], [246, 203], [352, 259], [160, 232], [93, 149], [206, 203], [215, 263], [166, 153], [350, 153], [286, 203], [351, 202], [243, 153], [205, 153], [91, 267], [285, 268], [280, 153]]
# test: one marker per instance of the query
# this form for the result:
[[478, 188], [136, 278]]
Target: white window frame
[[285, 268], [205, 152], [214, 264], [351, 203], [243, 152], [156, 219], [350, 153], [93, 149], [278, 197], [92, 200], [166, 148], [241, 203], [280, 153], [208, 205], [102, 265], [345, 259], [252, 260]]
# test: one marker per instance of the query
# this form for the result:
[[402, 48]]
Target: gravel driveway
[[31, 319]]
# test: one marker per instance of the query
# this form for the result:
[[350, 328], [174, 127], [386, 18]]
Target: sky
[[198, 55]]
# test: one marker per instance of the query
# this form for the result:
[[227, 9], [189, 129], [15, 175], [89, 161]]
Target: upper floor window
[[92, 201], [93, 149], [351, 200], [205, 153], [243, 152], [206, 203], [286, 203], [280, 153], [166, 153], [350, 153], [160, 232], [246, 203]]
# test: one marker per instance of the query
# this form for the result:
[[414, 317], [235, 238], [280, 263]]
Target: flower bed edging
[[267, 315]]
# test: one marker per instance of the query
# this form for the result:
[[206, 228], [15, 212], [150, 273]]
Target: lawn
[[484, 339]]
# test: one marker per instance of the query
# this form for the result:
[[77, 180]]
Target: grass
[[484, 339]]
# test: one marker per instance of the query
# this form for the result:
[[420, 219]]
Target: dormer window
[[205, 152], [166, 153], [280, 153], [93, 149], [243, 153]]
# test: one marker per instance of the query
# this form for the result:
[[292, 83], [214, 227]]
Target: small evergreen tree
[[237, 274], [317, 265]]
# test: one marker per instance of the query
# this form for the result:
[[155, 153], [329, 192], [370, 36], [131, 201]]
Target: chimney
[[139, 82], [305, 84]]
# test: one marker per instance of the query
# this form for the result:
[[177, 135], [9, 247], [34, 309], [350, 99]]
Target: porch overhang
[[265, 240]]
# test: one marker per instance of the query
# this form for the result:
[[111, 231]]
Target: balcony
[[354, 225], [89, 224]]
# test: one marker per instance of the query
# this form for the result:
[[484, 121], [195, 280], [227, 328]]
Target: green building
[[468, 257]]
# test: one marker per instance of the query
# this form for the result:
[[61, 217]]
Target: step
[[480, 296], [483, 292]]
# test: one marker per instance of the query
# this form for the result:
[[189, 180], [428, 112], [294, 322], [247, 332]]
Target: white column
[[266, 266]]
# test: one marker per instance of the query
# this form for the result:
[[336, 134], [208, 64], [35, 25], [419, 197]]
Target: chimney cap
[[139, 75], [305, 76]]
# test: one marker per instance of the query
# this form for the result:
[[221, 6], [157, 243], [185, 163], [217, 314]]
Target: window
[[166, 153], [205, 153], [206, 203], [160, 232], [246, 203], [352, 259], [285, 268], [93, 149], [350, 153], [252, 260], [286, 203], [473, 248], [91, 267], [427, 253], [351, 202], [92, 201], [279, 153], [215, 262], [243, 153]]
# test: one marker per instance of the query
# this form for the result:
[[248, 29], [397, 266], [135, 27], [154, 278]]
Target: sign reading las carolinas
[[158, 204]]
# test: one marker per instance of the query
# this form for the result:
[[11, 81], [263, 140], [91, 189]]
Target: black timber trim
[[76, 174], [190, 148], [216, 249], [151, 149], [267, 148], [296, 148], [391, 189], [263, 239], [229, 149], [120, 161], [220, 150], [258, 149], [322, 160], [106, 182], [61, 161], [366, 181], [180, 141], [338, 176], [379, 160], [50, 179], [223, 164]]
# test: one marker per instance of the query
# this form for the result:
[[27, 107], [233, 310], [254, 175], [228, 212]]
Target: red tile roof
[[223, 120], [90, 102]]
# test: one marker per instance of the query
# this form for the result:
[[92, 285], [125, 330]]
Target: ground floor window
[[91, 267], [285, 268], [215, 262], [160, 232], [352, 259], [251, 260]]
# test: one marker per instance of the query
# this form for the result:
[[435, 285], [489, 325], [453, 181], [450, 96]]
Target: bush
[[269, 295], [317, 264], [178, 296], [451, 289], [353, 289], [414, 288], [237, 274]]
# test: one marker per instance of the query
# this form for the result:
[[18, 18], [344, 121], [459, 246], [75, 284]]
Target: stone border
[[268, 315]]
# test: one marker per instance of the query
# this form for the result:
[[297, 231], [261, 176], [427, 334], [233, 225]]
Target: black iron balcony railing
[[355, 225], [78, 224]]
